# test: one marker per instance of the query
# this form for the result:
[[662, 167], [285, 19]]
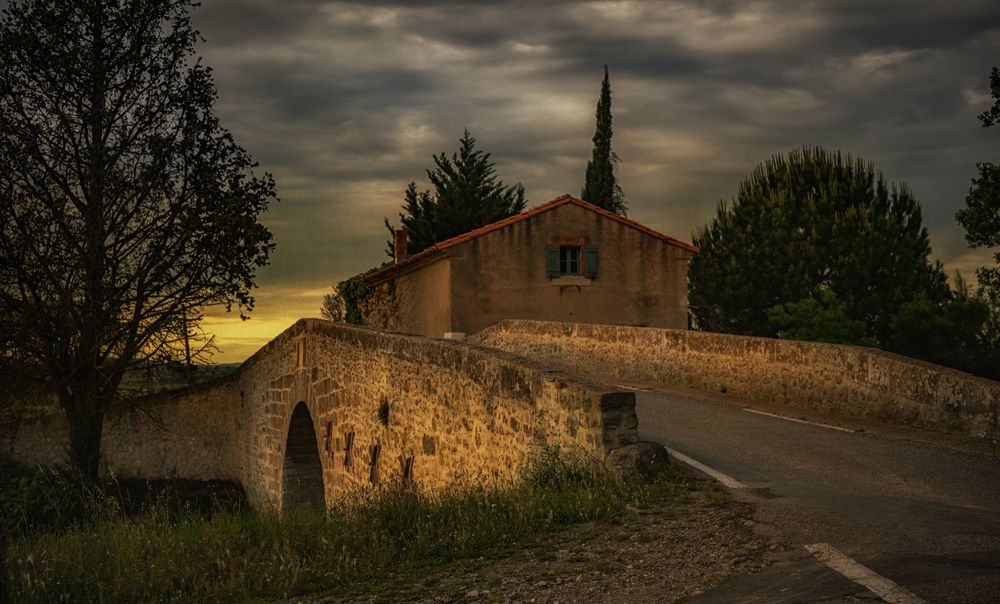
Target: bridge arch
[[302, 473]]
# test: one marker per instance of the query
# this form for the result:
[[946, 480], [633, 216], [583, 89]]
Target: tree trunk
[[85, 444], [4, 578], [85, 427]]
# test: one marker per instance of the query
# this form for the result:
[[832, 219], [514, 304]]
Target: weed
[[718, 498], [168, 549]]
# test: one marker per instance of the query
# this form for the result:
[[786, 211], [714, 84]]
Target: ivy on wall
[[357, 302], [353, 291]]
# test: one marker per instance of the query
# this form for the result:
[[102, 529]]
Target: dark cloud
[[250, 22], [345, 102]]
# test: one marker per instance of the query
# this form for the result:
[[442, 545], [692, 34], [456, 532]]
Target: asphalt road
[[923, 516]]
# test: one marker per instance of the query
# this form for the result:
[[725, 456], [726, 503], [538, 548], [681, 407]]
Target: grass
[[167, 551]]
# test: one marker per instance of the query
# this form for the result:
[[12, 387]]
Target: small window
[[569, 260]]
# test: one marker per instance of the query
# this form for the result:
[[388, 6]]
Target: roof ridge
[[499, 224]]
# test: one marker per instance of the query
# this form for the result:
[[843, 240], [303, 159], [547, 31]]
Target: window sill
[[570, 280]]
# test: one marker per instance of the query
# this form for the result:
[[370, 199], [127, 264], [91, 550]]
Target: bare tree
[[125, 207]]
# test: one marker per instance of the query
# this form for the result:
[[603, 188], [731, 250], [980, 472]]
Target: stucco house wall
[[641, 280], [417, 301], [499, 272]]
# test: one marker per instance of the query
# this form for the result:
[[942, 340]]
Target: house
[[565, 260]]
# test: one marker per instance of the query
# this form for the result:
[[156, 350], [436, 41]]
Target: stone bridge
[[325, 408]]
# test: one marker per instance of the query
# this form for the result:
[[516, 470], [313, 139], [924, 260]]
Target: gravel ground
[[668, 552]]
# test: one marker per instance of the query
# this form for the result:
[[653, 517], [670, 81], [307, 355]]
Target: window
[[569, 260]]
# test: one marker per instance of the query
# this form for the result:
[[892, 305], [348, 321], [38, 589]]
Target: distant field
[[145, 382], [29, 400]]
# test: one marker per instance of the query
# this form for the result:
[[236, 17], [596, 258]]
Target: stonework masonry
[[187, 433], [383, 407], [852, 380]]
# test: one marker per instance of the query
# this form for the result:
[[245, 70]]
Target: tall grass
[[238, 554]]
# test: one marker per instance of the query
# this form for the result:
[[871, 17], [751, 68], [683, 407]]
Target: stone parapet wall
[[188, 433], [853, 380]]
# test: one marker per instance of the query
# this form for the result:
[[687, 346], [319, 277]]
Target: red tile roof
[[437, 248]]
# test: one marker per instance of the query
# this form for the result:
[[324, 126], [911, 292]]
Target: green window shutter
[[552, 260], [590, 261]]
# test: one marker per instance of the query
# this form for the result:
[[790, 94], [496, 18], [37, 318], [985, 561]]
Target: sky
[[346, 102]]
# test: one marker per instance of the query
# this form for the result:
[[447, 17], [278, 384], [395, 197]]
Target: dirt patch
[[665, 552]]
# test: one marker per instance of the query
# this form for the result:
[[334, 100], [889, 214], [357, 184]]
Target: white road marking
[[862, 575], [636, 388], [725, 479], [801, 421]]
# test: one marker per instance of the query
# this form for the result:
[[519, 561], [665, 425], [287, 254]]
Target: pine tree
[[802, 224], [467, 195], [601, 188]]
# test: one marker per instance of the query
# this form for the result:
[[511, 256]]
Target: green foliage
[[981, 219], [991, 116], [981, 215], [343, 305], [952, 332], [556, 469], [48, 499], [236, 555], [125, 207], [35, 500], [352, 291], [334, 306], [467, 195], [601, 187], [809, 221], [822, 318]]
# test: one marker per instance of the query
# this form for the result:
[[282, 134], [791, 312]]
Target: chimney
[[399, 244]]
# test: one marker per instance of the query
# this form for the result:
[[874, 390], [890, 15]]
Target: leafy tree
[[981, 219], [953, 332], [125, 207], [991, 116], [600, 187], [467, 195], [981, 214], [807, 222], [820, 318]]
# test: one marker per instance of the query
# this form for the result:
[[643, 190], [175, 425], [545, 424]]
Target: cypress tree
[[600, 187]]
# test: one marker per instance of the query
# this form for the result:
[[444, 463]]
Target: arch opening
[[302, 477]]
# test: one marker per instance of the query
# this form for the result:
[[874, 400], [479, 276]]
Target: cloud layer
[[345, 102]]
